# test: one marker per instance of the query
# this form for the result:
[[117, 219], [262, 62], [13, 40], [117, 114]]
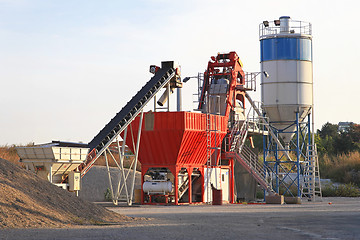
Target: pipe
[[179, 100], [164, 97]]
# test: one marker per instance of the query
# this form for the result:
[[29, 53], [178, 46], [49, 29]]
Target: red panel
[[178, 138]]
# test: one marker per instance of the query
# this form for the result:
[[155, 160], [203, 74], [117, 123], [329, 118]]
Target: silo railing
[[295, 27]]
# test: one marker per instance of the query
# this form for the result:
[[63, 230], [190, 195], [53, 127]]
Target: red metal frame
[[175, 171], [174, 140], [226, 65], [229, 66], [177, 140]]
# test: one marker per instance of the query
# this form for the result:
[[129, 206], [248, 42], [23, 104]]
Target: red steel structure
[[228, 66], [177, 141]]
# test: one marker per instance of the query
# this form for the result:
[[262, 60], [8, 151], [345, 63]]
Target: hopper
[[176, 138], [53, 161]]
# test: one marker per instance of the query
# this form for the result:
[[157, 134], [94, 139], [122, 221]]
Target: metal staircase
[[250, 161], [311, 185], [238, 135], [245, 156], [183, 187]]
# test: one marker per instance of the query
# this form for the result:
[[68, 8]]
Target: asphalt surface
[[321, 220]]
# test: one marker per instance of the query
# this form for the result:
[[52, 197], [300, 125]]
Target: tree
[[343, 143], [329, 129], [333, 142], [326, 137], [354, 132]]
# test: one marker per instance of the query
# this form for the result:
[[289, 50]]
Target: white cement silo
[[286, 55]]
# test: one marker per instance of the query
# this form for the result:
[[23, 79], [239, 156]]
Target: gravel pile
[[27, 201]]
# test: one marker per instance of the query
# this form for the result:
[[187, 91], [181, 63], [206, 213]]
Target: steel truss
[[286, 173], [125, 180]]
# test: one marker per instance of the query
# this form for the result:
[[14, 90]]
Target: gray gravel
[[339, 220]]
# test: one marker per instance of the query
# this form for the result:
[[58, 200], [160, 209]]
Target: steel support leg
[[298, 155], [121, 156], [136, 158]]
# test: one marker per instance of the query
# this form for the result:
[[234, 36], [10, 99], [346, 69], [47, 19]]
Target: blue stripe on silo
[[286, 49]]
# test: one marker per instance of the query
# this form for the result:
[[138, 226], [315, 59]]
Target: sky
[[67, 67]]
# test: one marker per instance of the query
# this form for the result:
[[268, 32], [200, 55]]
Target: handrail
[[267, 126], [295, 27], [244, 155]]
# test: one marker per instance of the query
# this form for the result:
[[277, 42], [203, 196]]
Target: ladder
[[212, 140], [311, 187], [208, 154], [197, 96]]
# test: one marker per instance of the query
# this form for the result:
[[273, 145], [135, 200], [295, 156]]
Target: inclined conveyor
[[128, 113]]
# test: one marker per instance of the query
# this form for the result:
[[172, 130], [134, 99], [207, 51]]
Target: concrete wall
[[245, 184], [95, 183]]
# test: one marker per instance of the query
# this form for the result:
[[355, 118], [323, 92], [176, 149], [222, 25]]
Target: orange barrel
[[217, 196]]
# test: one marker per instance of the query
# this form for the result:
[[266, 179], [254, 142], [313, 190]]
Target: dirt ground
[[27, 201], [338, 220], [32, 208]]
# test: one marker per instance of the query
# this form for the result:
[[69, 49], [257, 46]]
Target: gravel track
[[338, 220]]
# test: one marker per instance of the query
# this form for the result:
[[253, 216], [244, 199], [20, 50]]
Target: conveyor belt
[[128, 113]]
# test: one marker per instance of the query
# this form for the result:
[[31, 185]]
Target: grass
[[9, 153], [344, 168], [328, 190]]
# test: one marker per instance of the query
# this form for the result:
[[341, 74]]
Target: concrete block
[[292, 200], [275, 199]]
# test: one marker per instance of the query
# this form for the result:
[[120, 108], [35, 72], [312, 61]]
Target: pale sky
[[67, 67]]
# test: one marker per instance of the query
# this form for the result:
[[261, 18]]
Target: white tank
[[286, 55], [157, 187]]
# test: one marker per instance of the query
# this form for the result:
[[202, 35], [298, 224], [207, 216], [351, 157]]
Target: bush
[[329, 190], [288, 191], [344, 168], [342, 190], [348, 190], [259, 193], [107, 195]]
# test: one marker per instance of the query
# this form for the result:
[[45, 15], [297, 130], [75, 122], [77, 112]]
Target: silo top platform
[[284, 26]]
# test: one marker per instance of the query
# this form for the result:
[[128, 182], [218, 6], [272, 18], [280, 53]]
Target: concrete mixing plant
[[287, 96], [206, 156]]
